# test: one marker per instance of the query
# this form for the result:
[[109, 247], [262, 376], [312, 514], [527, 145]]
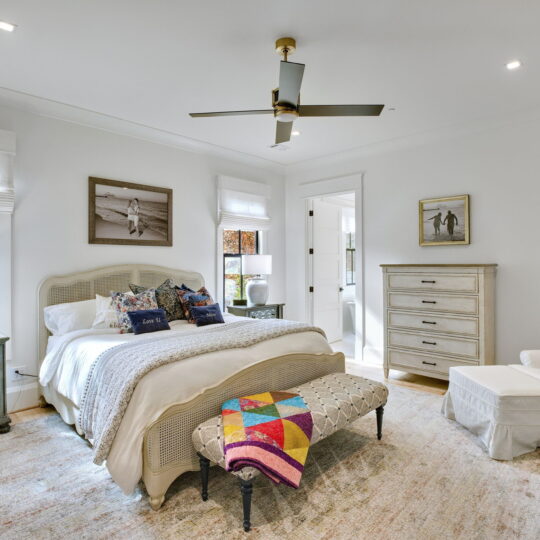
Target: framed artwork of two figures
[[128, 213], [444, 221]]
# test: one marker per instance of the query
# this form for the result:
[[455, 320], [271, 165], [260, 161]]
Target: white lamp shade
[[257, 264]]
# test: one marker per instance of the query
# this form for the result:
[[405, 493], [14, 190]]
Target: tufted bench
[[334, 400]]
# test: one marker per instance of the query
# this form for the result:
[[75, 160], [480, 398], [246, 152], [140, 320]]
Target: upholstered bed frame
[[167, 449]]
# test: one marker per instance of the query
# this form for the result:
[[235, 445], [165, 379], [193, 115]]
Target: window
[[350, 253], [236, 244]]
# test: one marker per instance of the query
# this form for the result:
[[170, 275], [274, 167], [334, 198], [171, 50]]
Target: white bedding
[[69, 357]]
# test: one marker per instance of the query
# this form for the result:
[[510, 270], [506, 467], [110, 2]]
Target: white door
[[326, 268]]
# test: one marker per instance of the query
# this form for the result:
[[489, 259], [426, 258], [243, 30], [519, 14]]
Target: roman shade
[[243, 204]]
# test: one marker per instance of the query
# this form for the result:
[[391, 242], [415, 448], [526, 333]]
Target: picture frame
[[444, 221], [125, 213]]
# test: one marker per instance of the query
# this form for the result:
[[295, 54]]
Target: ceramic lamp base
[[257, 292]]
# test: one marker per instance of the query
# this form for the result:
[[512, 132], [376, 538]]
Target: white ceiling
[[438, 63]]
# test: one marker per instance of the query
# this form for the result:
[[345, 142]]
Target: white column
[[7, 199]]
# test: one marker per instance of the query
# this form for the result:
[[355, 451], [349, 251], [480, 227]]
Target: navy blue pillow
[[148, 320], [204, 315]]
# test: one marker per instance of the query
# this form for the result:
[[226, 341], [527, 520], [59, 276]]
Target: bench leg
[[246, 488], [379, 411], [205, 466]]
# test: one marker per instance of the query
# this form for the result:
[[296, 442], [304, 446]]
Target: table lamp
[[257, 287]]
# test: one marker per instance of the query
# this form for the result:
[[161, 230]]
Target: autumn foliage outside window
[[236, 244]]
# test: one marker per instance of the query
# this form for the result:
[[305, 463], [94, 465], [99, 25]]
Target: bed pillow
[[166, 297], [148, 320], [205, 315], [194, 298], [63, 318], [125, 302], [106, 315]]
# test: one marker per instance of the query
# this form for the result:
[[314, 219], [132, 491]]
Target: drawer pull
[[429, 302], [428, 281], [429, 363], [429, 322], [430, 342]]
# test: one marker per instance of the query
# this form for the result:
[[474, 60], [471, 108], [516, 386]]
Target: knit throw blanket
[[269, 431], [116, 372]]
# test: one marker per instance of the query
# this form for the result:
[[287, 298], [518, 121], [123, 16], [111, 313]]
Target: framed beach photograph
[[444, 221], [128, 214]]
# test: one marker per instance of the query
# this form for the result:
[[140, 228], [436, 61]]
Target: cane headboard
[[85, 285]]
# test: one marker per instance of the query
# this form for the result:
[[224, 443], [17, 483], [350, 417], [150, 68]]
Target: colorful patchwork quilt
[[269, 431]]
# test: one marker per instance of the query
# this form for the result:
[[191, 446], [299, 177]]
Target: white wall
[[50, 231], [498, 167]]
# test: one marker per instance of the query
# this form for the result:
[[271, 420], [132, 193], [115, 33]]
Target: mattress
[[65, 369]]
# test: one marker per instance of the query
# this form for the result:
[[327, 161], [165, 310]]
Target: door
[[326, 268]]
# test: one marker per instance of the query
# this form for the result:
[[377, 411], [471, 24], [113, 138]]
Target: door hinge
[[311, 251], [311, 213], [311, 289]]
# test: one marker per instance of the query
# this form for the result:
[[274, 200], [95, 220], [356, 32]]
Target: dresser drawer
[[461, 304], [468, 348], [460, 283], [406, 360], [466, 326]]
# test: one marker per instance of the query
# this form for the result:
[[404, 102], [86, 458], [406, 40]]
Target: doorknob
[[341, 289]]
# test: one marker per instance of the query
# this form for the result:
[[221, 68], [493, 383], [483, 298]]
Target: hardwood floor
[[30, 414]]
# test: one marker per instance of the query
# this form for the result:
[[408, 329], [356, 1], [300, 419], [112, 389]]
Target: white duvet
[[64, 372]]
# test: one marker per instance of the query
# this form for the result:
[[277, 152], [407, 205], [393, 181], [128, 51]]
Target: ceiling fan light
[[287, 116]]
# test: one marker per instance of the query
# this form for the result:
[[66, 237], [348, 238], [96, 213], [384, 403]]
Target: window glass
[[236, 244]]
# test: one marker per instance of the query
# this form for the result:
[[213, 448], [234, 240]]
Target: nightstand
[[4, 418], [268, 311]]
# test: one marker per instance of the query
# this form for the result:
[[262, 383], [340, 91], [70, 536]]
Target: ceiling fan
[[286, 105]]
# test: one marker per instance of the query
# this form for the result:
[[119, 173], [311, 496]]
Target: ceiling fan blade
[[290, 80], [230, 113], [283, 131], [340, 110]]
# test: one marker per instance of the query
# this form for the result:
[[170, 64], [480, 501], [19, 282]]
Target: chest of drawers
[[438, 316]]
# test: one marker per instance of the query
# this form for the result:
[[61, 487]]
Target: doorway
[[332, 268]]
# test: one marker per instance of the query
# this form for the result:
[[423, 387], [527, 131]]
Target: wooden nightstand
[[268, 311], [4, 418]]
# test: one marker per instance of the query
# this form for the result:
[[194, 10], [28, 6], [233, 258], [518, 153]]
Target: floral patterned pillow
[[190, 298], [123, 303], [166, 297]]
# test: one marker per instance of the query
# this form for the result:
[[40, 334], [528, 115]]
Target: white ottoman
[[500, 404]]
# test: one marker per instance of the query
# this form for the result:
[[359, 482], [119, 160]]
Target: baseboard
[[373, 356], [24, 396]]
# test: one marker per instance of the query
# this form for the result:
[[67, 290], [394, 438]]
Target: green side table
[[5, 420], [268, 311]]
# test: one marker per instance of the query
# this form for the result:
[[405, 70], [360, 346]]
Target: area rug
[[426, 479]]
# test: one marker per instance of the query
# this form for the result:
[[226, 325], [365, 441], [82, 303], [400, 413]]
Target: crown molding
[[76, 115], [464, 129]]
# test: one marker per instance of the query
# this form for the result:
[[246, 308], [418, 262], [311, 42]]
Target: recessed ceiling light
[[295, 133], [514, 64], [8, 27]]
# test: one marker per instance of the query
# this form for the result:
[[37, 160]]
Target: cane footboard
[[167, 449]]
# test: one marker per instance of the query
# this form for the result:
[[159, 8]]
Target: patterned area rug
[[427, 479]]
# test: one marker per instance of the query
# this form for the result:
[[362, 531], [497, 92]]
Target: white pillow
[[530, 358], [63, 318], [106, 315]]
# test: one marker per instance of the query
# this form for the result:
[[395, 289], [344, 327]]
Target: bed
[[153, 442]]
